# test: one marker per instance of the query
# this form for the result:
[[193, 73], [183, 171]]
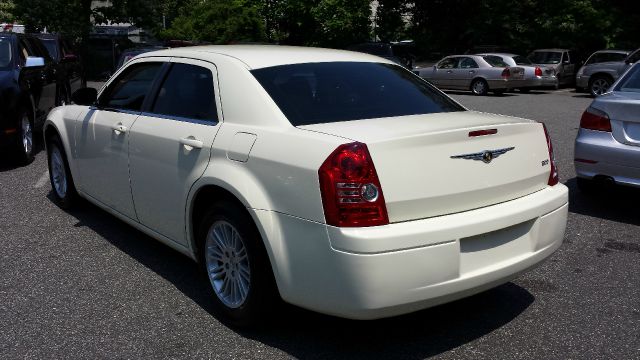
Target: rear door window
[[468, 63], [187, 92], [315, 93]]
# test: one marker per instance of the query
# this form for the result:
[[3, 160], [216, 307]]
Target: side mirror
[[34, 62], [85, 96]]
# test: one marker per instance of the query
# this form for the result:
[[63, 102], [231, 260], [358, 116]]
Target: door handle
[[119, 129], [449, 71], [191, 142], [472, 71]]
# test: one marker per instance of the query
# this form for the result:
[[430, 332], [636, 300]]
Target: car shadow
[[615, 203], [8, 161], [582, 96], [306, 334]]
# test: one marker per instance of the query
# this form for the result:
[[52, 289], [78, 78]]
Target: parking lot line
[[42, 181]]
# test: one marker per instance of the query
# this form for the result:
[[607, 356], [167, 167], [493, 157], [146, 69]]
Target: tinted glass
[[449, 63], [187, 92], [468, 63], [5, 53], [342, 91], [634, 57], [129, 90], [50, 44], [495, 61], [521, 60], [631, 81], [545, 57]]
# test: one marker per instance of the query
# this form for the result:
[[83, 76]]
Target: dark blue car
[[28, 92]]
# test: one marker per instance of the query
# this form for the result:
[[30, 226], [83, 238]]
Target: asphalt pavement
[[82, 284]]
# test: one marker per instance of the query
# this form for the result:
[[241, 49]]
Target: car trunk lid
[[624, 113], [431, 165]]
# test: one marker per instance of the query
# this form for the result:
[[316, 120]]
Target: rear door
[[464, 73], [171, 143]]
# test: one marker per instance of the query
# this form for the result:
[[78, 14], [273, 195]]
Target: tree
[[342, 22], [7, 8], [390, 19], [219, 22]]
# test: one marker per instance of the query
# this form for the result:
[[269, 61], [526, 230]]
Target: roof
[[261, 56], [553, 50], [498, 54], [613, 51]]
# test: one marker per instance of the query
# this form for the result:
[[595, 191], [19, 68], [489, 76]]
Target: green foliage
[[342, 22], [218, 22], [7, 8]]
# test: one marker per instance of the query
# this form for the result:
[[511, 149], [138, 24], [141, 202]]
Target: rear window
[[546, 57], [50, 44], [317, 93], [630, 81], [495, 61]]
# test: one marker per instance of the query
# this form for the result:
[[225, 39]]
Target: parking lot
[[86, 285]]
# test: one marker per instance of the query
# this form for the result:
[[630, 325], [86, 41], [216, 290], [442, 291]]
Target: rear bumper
[[616, 160], [368, 273], [535, 83]]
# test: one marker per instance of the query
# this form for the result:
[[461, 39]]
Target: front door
[[464, 73], [170, 145], [102, 137], [443, 72]]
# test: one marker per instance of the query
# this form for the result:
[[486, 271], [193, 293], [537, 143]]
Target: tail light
[[594, 119], [350, 188], [538, 71], [506, 73], [553, 174]]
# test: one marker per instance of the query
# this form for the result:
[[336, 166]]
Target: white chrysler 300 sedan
[[337, 181]]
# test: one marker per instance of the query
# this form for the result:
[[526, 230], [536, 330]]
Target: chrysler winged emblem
[[485, 156]]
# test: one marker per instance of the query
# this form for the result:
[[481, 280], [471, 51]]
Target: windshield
[[521, 60], [545, 57], [495, 61], [5, 53], [630, 82], [50, 44], [316, 93]]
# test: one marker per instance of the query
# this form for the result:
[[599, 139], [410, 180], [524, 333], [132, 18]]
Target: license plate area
[[481, 252]]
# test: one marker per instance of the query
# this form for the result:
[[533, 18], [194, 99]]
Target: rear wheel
[[64, 190], [24, 145], [479, 87], [599, 85], [236, 264], [585, 185]]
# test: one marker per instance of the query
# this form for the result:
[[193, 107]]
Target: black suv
[[69, 71], [28, 91]]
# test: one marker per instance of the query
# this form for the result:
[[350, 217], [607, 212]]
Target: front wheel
[[24, 145], [599, 85], [479, 87], [236, 264], [64, 190]]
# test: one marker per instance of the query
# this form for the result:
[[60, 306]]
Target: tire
[[25, 142], [599, 84], [64, 190], [479, 87], [236, 265]]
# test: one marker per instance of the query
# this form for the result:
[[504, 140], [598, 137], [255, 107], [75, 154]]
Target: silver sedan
[[535, 77], [607, 148], [480, 74]]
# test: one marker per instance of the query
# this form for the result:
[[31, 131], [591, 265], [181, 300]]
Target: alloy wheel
[[27, 134], [227, 264], [58, 173], [600, 86]]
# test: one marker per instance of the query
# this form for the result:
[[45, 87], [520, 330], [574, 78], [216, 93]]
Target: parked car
[[562, 61], [27, 92], [480, 74], [338, 181], [133, 52], [535, 77], [70, 75], [607, 148], [398, 52], [598, 77]]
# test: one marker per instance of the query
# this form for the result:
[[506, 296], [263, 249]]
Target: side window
[[129, 90], [634, 57], [565, 57], [187, 92], [448, 63], [25, 50], [468, 63]]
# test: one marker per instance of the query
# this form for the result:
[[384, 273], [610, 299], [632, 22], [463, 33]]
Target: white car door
[[102, 137], [171, 143]]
